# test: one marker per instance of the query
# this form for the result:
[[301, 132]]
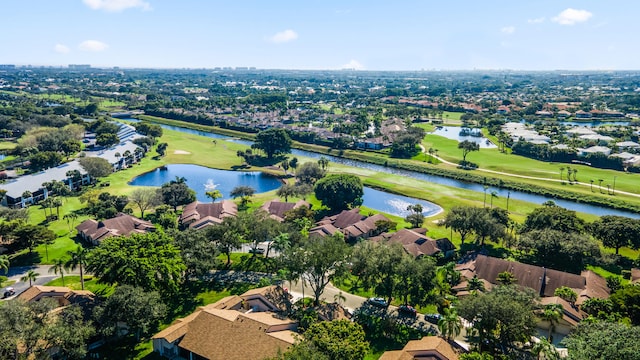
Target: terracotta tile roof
[[429, 347], [571, 314], [276, 209], [365, 227], [345, 218], [120, 225]]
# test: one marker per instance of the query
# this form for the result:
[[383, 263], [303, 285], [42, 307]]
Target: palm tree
[[77, 260], [494, 194], [449, 324], [484, 203], [285, 165], [561, 172], [569, 172], [545, 350], [30, 276], [600, 184], [71, 219], [213, 195], [26, 195], [339, 298], [4, 263], [575, 173], [58, 268], [56, 202], [323, 162], [591, 185], [475, 284], [506, 278], [551, 313]]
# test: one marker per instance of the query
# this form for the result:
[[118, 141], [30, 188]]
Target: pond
[[203, 179], [462, 134], [503, 194], [396, 204]]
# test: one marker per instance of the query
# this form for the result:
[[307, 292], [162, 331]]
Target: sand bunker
[[181, 152]]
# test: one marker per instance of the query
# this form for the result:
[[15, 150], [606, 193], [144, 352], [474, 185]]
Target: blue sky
[[324, 34]]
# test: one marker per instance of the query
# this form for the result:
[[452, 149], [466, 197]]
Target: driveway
[[15, 273]]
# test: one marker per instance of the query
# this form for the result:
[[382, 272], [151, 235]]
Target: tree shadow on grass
[[26, 259]]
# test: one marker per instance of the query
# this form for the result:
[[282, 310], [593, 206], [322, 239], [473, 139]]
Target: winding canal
[[502, 193]]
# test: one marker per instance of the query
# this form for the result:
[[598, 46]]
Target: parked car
[[8, 292], [256, 251], [407, 310], [432, 318], [379, 302]]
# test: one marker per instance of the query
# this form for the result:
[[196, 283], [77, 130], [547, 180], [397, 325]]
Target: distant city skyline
[[328, 35]]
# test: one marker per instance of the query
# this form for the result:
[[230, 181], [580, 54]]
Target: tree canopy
[[603, 340], [177, 193], [150, 261], [273, 142], [339, 191], [96, 167], [616, 231]]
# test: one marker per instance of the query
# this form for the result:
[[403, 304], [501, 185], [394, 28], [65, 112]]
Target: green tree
[[458, 220], [449, 324], [287, 190], [4, 263], [551, 313], [139, 309], [318, 261], [161, 149], [30, 276], [214, 195], [559, 250], [309, 173], [78, 260], [244, 193], [150, 261], [467, 147], [145, 199], [415, 218], [227, 236], [544, 350], [626, 301], [107, 140], [338, 340], [339, 191], [29, 236], [273, 142], [566, 293], [323, 162], [616, 231], [58, 267], [177, 193], [197, 250], [96, 167], [603, 340], [500, 317], [551, 216], [506, 278]]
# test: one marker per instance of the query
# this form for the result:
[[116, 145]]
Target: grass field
[[90, 283]]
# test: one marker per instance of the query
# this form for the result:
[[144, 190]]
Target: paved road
[[15, 273]]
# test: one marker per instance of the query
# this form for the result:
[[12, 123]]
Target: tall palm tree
[[494, 194], [77, 260], [561, 172], [551, 313], [213, 195], [449, 324], [30, 276], [475, 284], [484, 202], [71, 219], [58, 268], [591, 185], [56, 202], [4, 263]]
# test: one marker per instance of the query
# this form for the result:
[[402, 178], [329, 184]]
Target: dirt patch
[[181, 152]]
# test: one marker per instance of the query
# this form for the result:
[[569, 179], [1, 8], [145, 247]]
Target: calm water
[[203, 179], [453, 133], [396, 204], [502, 193]]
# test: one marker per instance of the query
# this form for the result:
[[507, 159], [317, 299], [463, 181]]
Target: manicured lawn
[[7, 145], [90, 283]]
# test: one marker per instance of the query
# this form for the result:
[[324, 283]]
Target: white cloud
[[353, 64], [61, 49], [116, 5], [572, 16], [508, 30], [539, 20], [284, 36], [93, 46]]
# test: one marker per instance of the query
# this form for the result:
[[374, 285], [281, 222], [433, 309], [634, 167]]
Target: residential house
[[417, 243], [122, 224], [581, 114], [120, 156], [427, 348], [350, 223], [377, 143], [628, 145], [198, 215], [63, 295], [277, 209], [544, 281], [33, 183], [571, 315], [594, 150], [596, 137], [248, 326]]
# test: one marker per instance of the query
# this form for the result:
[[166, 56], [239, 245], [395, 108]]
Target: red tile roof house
[[417, 243], [248, 326], [277, 209], [350, 223], [587, 285], [122, 224], [198, 215]]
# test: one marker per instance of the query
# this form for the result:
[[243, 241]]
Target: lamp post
[[508, 196]]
